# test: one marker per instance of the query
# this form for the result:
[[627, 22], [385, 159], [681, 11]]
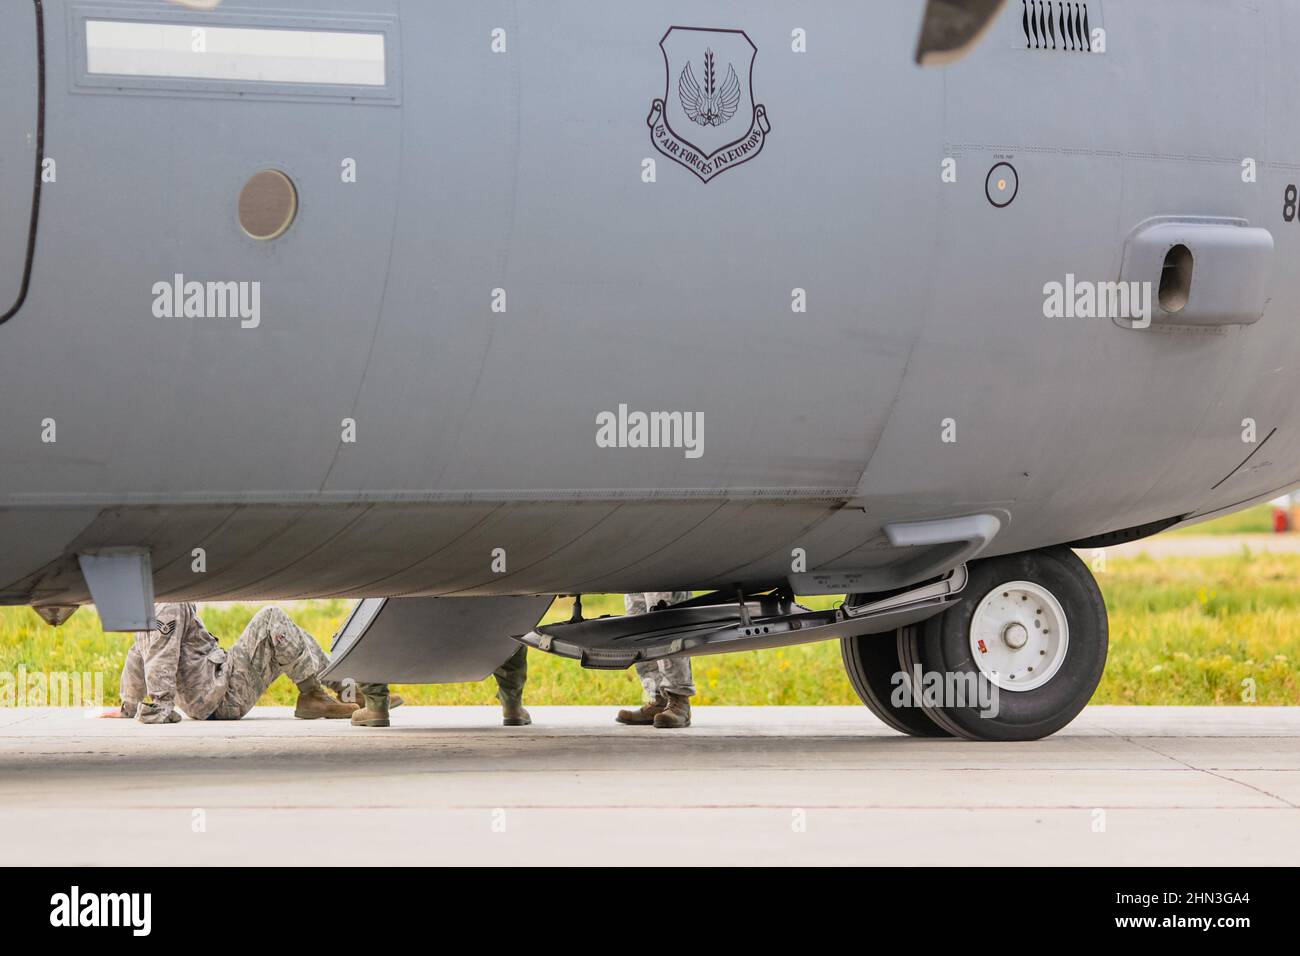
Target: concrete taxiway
[[759, 785]]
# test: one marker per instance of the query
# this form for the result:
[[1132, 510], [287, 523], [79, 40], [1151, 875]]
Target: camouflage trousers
[[375, 695], [510, 676], [271, 645], [668, 675]]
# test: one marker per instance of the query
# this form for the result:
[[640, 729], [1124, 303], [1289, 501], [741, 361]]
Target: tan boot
[[373, 714], [314, 703], [358, 699], [513, 714], [644, 715], [348, 695], [677, 714]]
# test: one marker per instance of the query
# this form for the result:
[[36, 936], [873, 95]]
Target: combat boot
[[644, 715], [347, 693], [513, 714], [358, 699], [373, 714], [676, 714], [314, 703]]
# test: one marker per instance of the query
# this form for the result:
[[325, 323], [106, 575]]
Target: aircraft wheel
[[1021, 654], [872, 661]]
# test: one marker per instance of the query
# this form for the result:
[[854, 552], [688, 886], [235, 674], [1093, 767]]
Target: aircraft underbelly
[[414, 549]]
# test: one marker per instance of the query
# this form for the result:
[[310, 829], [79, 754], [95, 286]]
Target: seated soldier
[[178, 664]]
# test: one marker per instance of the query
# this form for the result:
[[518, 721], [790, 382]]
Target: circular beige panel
[[268, 204]]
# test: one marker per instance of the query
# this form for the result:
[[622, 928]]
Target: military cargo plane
[[458, 306]]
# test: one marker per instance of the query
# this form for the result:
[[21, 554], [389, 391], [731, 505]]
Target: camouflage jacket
[[183, 664]]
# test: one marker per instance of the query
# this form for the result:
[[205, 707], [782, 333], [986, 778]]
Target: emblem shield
[[707, 119]]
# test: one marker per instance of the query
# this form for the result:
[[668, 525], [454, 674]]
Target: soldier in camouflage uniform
[[667, 683], [510, 676], [180, 664]]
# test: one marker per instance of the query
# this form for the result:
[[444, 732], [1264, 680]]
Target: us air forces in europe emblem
[[707, 119]]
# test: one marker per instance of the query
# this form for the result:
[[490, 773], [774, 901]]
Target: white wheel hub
[[1019, 636]]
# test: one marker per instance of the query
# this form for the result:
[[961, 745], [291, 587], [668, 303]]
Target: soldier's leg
[[348, 690], [376, 702], [132, 686], [651, 700], [677, 685], [319, 659], [675, 676], [648, 671], [651, 680], [250, 669], [353, 692], [272, 645], [655, 680], [652, 697], [666, 675], [679, 688], [511, 678], [345, 690]]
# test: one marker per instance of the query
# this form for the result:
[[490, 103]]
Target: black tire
[[871, 661], [943, 645]]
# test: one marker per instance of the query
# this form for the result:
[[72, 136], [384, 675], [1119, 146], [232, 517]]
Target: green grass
[[1256, 520], [1183, 631]]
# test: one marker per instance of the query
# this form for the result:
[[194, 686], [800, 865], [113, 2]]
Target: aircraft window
[[1176, 279], [268, 204], [241, 54]]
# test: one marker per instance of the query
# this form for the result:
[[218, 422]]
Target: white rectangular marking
[[246, 54]]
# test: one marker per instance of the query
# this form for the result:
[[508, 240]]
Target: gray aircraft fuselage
[[850, 299]]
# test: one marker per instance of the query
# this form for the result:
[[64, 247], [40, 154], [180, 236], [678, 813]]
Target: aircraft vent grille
[[1057, 25]]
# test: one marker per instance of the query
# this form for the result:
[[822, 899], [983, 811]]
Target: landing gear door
[[20, 129]]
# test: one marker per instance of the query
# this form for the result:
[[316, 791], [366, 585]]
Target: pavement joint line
[[1251, 786], [1219, 776]]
